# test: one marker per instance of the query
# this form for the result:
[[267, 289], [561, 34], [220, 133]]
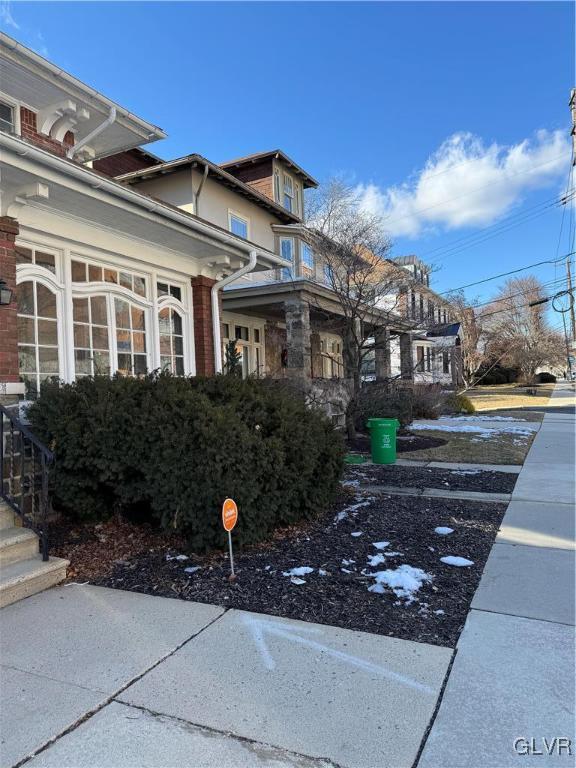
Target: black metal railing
[[25, 463]]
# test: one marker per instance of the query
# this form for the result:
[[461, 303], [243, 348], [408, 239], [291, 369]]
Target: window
[[428, 358], [277, 186], [431, 309], [91, 340], [38, 357], [7, 118], [83, 272], [288, 193], [306, 256], [130, 338], [36, 256], [167, 289], [420, 358], [238, 225], [287, 253], [421, 306], [241, 333], [328, 275], [445, 362], [249, 346], [444, 314], [171, 341], [412, 304]]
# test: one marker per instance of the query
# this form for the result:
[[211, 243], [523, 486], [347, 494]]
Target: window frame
[[240, 217], [291, 195], [15, 106], [253, 352], [304, 246], [287, 273]]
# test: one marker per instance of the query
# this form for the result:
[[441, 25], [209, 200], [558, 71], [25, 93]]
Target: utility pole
[[568, 266], [572, 105]]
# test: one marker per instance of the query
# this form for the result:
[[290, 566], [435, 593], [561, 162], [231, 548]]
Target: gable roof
[[215, 172], [239, 162]]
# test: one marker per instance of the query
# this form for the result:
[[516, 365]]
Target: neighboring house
[[105, 277]]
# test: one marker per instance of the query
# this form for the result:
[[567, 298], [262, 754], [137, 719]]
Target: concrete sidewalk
[[513, 676]]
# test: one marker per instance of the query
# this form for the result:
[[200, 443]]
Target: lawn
[[466, 447], [508, 399]]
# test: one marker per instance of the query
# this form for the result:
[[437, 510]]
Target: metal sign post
[[229, 520]]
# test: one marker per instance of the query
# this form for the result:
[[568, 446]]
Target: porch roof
[[268, 298], [37, 178]]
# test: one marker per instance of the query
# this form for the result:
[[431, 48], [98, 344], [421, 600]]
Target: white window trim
[[253, 324], [16, 107], [241, 217]]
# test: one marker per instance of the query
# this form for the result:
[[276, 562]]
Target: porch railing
[[25, 463]]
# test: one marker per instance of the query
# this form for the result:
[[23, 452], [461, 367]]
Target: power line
[[505, 274], [549, 284]]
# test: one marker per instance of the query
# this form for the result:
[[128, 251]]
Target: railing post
[[44, 510]]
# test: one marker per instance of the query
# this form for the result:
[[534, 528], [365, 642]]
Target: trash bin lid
[[382, 423]]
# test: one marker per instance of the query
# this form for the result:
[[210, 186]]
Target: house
[[105, 277]]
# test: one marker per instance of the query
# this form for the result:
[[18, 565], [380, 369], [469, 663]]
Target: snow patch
[[404, 581], [193, 569], [302, 570], [297, 581], [356, 533], [176, 557], [459, 562], [380, 544], [443, 530], [374, 560]]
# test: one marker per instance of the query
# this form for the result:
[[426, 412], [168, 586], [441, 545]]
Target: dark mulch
[[422, 477], [339, 598], [405, 443]]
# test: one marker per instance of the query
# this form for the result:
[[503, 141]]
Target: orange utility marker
[[229, 520]]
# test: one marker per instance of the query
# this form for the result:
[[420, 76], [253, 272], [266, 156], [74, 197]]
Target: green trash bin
[[383, 439]]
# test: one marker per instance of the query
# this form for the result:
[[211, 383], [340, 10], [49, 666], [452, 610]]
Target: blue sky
[[449, 117]]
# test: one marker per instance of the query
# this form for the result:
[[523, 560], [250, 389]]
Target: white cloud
[[6, 15], [466, 183]]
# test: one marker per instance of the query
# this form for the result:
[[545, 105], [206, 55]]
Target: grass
[[466, 447], [508, 399]]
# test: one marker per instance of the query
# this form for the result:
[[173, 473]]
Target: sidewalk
[[513, 675]]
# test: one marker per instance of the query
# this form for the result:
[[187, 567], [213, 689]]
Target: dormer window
[[288, 193], [7, 124]]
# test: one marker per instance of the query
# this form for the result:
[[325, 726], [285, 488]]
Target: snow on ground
[[374, 560], [356, 533], [193, 569], [176, 557], [459, 562], [351, 508], [350, 483], [348, 562], [488, 418], [404, 581], [302, 570], [466, 471], [477, 429], [297, 581], [442, 530], [380, 544]]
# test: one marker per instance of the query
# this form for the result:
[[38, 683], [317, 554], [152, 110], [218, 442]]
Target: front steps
[[22, 570]]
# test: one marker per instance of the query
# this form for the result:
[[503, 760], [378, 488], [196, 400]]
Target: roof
[[240, 162], [36, 82], [216, 172]]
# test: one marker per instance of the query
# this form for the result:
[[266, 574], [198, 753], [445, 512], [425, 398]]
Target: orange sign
[[229, 514]]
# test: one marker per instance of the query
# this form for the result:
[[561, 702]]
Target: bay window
[[287, 253]]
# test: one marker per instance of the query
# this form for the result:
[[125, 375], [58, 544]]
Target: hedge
[[170, 450]]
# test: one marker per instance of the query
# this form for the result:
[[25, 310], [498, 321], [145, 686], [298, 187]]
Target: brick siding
[[257, 175], [203, 332], [8, 313], [29, 132], [124, 162]]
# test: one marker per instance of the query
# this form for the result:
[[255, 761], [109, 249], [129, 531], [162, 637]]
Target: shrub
[[545, 378], [383, 401], [170, 450], [458, 403], [427, 401]]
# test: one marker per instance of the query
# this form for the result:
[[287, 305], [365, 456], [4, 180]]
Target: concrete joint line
[[246, 739], [527, 547], [520, 616], [91, 712]]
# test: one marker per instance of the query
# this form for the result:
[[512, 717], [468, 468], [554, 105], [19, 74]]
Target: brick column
[[297, 313], [382, 353], [8, 320], [203, 331], [406, 359]]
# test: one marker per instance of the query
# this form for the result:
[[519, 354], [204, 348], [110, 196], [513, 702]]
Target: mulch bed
[[337, 598], [405, 443], [422, 477]]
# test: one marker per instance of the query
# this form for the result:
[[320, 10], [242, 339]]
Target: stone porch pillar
[[297, 313], [10, 385], [406, 357], [203, 331], [382, 353]]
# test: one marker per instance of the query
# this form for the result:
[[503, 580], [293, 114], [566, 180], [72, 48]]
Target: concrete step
[[7, 516], [27, 577], [17, 544]]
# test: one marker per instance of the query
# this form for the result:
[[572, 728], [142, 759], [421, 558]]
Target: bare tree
[[518, 333], [472, 350], [353, 249]]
